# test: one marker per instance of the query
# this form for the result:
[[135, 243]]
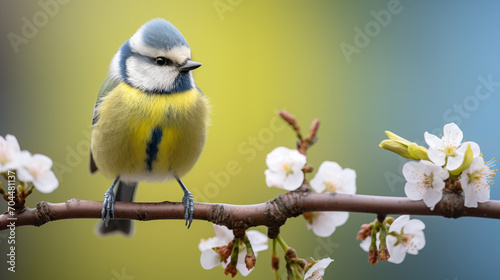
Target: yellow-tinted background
[[418, 71]]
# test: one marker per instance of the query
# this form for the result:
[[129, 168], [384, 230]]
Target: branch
[[272, 213]]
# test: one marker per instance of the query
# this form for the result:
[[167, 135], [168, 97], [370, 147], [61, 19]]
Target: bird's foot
[[188, 202], [108, 206]]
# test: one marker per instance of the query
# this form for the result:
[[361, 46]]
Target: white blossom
[[36, 169], [10, 153], [285, 169], [409, 238], [210, 258], [330, 178], [476, 182], [317, 271], [425, 180], [449, 149]]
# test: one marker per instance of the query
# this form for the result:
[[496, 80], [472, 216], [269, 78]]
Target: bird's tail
[[125, 192]]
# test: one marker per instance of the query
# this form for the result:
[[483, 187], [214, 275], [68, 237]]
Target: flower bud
[[250, 261], [225, 251], [275, 262], [364, 232], [395, 147], [383, 253], [373, 256], [404, 147], [417, 152], [231, 269]]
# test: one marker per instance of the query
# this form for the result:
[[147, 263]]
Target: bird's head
[[156, 59]]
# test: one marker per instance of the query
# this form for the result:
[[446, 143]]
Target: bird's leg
[[188, 202], [108, 205]]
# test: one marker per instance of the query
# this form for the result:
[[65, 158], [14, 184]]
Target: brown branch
[[272, 214]]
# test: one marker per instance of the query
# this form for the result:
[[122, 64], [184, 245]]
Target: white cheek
[[149, 77]]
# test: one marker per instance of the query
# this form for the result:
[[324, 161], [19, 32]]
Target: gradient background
[[259, 57]]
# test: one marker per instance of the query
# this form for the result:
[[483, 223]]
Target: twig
[[273, 213]]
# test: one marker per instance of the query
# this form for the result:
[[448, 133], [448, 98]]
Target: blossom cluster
[[448, 162], [285, 172], [402, 236], [218, 250], [35, 169]]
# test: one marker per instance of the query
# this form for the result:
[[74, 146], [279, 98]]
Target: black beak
[[189, 65]]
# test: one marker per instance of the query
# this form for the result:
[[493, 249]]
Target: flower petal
[[414, 225], [413, 172], [258, 240], [470, 197], [452, 134], [473, 146], [276, 157], [348, 181], [293, 181], [365, 244], [454, 162], [241, 265], [433, 141], [399, 223], [324, 224], [436, 170], [326, 172], [436, 156], [274, 179], [223, 233], [43, 160], [417, 243], [414, 191], [46, 183], [397, 252], [210, 259], [483, 194], [476, 164], [328, 167], [12, 142], [317, 183], [298, 159], [23, 173], [222, 237], [319, 268]]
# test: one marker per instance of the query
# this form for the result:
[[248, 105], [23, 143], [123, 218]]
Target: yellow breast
[[149, 137]]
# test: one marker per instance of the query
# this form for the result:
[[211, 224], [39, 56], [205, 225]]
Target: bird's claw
[[188, 202], [108, 207]]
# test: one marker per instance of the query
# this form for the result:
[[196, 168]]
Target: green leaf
[[465, 164]]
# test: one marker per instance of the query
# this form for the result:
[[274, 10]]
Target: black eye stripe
[[162, 61]]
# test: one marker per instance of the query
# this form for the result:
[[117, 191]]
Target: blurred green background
[[410, 73]]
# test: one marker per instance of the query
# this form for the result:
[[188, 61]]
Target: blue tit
[[150, 119]]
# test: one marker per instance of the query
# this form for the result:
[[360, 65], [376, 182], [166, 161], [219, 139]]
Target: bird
[[150, 119]]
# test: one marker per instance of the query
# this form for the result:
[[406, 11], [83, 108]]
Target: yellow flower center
[[330, 187], [288, 169], [427, 182], [450, 151]]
